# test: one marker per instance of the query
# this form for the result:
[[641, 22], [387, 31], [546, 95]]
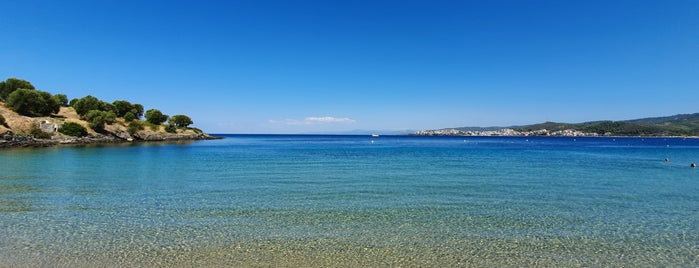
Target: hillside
[[676, 125], [24, 131]]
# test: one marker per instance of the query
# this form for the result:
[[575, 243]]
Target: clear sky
[[294, 66]]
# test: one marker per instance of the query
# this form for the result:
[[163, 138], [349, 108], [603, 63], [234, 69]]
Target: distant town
[[680, 125], [508, 132]]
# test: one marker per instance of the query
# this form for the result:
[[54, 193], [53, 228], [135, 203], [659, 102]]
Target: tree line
[[22, 97]]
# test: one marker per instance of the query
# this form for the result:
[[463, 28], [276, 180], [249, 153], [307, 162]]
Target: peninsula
[[34, 118], [681, 125]]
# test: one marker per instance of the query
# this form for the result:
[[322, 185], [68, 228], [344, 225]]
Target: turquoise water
[[276, 200]]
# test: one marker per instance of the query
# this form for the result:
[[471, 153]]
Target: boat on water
[[374, 135]]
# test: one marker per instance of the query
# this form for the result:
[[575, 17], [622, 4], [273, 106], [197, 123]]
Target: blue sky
[[333, 66]]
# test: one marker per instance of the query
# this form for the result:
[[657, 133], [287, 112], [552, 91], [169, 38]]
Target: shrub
[[170, 128], [134, 127], [98, 119], [39, 134], [153, 127], [128, 117], [73, 129]]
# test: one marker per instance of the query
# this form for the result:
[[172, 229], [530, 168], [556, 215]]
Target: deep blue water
[[341, 200]]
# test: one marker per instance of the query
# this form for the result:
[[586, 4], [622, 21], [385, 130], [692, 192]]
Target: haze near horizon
[[339, 66]]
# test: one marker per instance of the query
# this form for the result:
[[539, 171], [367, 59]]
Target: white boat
[[374, 135]]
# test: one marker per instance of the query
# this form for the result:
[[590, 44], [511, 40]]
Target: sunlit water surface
[[266, 200]]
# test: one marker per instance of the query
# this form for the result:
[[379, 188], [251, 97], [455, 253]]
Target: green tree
[[85, 104], [128, 117], [97, 119], [88, 103], [61, 99], [137, 110], [32, 102], [12, 84], [73, 129], [181, 120], [155, 117], [122, 107]]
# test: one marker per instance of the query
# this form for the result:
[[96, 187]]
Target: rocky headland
[[24, 131]]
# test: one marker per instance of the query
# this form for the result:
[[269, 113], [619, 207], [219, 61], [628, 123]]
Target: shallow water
[[275, 200]]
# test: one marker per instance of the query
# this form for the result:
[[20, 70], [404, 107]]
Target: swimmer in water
[[693, 165]]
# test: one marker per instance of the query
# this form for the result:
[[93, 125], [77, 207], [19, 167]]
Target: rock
[[153, 137], [123, 135], [7, 135], [10, 139]]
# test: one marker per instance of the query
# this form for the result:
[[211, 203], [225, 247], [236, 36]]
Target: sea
[[353, 201]]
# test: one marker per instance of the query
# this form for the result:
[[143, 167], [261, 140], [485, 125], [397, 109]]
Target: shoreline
[[10, 140], [560, 136], [413, 135], [508, 132], [475, 251]]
